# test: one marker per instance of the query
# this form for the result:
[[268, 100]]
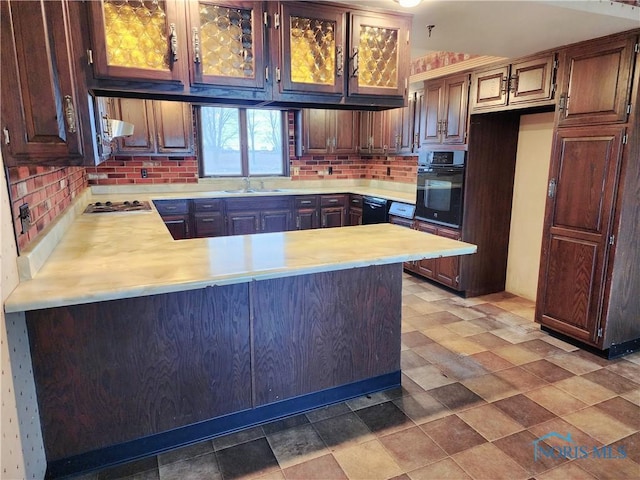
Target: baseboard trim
[[189, 434]]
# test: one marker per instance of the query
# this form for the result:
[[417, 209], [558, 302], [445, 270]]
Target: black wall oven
[[440, 187]]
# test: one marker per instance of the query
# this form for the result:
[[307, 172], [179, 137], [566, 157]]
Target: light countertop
[[121, 255]]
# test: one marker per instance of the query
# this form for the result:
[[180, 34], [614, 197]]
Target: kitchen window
[[242, 142]]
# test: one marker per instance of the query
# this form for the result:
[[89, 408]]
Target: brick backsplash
[[316, 167], [47, 190], [124, 170]]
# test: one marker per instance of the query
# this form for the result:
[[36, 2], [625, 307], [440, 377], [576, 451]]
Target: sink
[[253, 190]]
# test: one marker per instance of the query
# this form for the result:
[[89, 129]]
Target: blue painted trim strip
[[197, 432]]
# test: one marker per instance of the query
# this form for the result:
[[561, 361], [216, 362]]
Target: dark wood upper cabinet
[[45, 109], [379, 54], [160, 127], [329, 131], [138, 40], [174, 127], [526, 83], [227, 43], [585, 168], [443, 111], [311, 48], [596, 84]]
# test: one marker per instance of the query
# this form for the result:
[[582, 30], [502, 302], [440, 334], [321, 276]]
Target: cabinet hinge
[[599, 332], [624, 139], [89, 56], [265, 19], [612, 239], [276, 20], [5, 132]]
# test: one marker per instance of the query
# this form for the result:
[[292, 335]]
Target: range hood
[[117, 128]]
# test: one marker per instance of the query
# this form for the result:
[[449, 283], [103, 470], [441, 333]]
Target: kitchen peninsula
[[141, 343]]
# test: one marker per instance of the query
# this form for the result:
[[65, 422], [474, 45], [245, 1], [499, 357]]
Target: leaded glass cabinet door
[[312, 49], [379, 55], [138, 39], [226, 44]]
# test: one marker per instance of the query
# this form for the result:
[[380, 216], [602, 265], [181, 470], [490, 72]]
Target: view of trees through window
[[241, 142]]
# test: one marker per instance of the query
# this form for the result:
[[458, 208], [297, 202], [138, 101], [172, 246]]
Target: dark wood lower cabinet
[[332, 217], [275, 221], [122, 379], [209, 224], [111, 372], [307, 218], [243, 223], [178, 225]]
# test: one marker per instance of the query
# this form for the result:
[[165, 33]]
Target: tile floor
[[480, 384]]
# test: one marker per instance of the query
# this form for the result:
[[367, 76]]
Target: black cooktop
[[126, 206]]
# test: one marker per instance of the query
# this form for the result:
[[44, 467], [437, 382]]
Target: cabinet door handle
[[305, 202], [70, 114], [339, 61], [354, 58], [333, 200], [195, 39], [173, 38], [297, 223], [445, 127], [206, 220], [263, 224], [257, 224]]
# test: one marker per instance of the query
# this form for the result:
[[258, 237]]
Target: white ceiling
[[512, 28]]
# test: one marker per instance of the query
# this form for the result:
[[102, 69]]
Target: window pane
[[221, 141], [264, 138]]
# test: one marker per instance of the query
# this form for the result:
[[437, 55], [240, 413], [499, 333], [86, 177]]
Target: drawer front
[[258, 203], [207, 204], [355, 201], [308, 201], [172, 207], [333, 201], [449, 233]]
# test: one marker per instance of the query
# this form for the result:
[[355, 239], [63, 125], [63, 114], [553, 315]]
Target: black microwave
[[440, 187]]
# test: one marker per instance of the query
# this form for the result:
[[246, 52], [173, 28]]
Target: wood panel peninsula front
[[140, 343]]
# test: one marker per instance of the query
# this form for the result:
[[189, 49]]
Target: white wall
[[529, 196], [21, 448]]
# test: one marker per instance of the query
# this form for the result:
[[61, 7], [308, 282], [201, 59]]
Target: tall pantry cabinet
[[588, 285]]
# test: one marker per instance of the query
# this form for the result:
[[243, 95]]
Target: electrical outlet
[[388, 171], [330, 171], [296, 171], [25, 217], [143, 173]]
